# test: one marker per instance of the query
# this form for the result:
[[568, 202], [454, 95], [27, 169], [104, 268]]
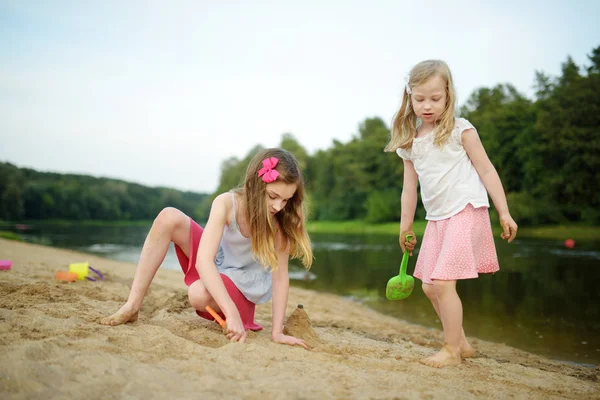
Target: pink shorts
[[244, 306], [459, 247]]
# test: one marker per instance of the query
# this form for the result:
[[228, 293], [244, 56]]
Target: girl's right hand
[[234, 329], [509, 228], [406, 245]]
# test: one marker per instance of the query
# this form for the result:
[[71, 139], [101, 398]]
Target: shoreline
[[559, 360], [52, 343], [551, 232], [578, 232]]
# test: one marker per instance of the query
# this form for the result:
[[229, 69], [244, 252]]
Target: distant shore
[[555, 232], [551, 232]]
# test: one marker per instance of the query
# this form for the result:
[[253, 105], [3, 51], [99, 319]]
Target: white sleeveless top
[[235, 260], [447, 176]]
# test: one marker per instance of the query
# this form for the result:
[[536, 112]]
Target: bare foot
[[124, 315], [446, 356], [466, 350]]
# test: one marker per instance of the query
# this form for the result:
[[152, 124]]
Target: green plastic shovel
[[401, 286]]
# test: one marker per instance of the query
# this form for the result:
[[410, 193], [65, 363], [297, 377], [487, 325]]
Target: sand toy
[[401, 286]]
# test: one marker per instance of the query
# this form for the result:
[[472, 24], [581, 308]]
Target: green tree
[[568, 143], [289, 143]]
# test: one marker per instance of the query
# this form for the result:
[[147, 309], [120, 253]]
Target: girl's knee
[[198, 296], [443, 287], [169, 218], [429, 290]]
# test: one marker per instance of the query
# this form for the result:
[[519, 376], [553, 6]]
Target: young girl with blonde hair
[[242, 259], [446, 157]]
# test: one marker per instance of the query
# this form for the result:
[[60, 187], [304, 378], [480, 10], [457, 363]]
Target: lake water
[[544, 299]]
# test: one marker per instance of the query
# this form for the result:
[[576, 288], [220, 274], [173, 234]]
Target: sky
[[161, 93]]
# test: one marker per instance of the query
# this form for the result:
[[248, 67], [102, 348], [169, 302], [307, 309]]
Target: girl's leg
[[450, 310], [466, 350], [171, 225], [200, 298]]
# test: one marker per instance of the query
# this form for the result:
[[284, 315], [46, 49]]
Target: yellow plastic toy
[[83, 270]]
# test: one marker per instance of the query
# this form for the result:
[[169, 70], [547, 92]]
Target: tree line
[[545, 150], [26, 194]]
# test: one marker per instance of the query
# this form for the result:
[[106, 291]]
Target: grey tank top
[[235, 260]]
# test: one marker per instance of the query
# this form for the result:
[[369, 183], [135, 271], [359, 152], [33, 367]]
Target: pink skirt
[[459, 247], [244, 306]]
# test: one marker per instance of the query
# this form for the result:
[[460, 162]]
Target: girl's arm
[[491, 180], [205, 264], [409, 205], [281, 285]]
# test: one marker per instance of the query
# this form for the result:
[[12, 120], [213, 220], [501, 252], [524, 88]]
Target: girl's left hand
[[509, 228], [292, 341]]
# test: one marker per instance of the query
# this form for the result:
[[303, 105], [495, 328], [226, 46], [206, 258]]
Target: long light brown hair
[[290, 219], [404, 127]]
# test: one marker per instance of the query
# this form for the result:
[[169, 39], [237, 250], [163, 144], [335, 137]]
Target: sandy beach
[[52, 347]]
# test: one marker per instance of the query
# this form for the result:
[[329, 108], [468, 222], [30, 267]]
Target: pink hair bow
[[268, 172]]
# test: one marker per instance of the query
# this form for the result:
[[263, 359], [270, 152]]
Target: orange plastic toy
[[216, 316], [66, 276]]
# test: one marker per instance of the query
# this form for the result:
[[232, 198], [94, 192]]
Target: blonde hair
[[404, 126], [290, 220]]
